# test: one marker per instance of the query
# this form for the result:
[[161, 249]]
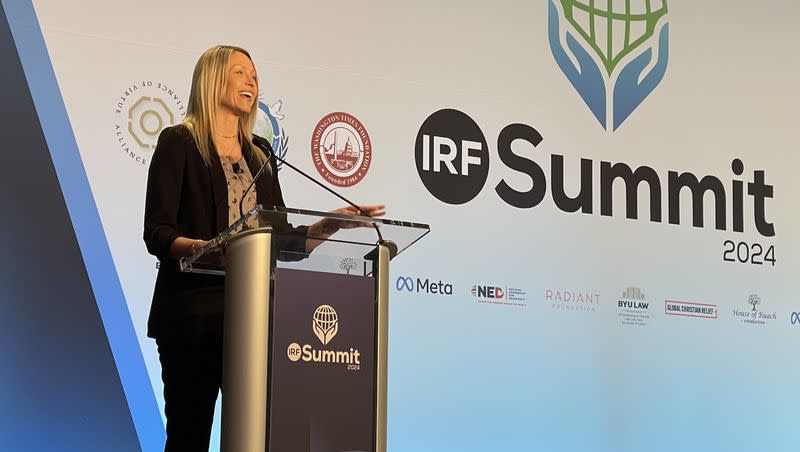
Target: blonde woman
[[196, 179]]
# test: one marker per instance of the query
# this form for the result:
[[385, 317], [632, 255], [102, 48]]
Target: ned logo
[[325, 323], [614, 53]]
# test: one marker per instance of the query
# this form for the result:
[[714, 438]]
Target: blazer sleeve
[[162, 199]]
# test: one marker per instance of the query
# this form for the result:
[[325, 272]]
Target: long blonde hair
[[209, 82]]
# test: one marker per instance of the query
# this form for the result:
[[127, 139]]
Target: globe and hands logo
[[268, 125], [325, 323], [613, 52]]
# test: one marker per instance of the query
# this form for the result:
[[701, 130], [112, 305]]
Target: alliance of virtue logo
[[614, 56]]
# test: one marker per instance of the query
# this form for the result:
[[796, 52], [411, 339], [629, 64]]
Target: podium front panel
[[322, 370]]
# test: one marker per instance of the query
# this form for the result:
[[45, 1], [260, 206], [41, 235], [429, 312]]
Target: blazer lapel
[[219, 185], [263, 187]]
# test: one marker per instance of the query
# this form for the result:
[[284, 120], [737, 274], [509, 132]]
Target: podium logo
[[325, 324], [613, 53], [452, 156]]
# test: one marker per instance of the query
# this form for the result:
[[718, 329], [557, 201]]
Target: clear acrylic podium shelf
[[350, 248]]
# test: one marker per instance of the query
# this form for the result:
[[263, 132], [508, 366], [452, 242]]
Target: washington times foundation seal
[[341, 149], [142, 111]]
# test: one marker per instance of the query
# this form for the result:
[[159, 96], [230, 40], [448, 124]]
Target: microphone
[[264, 145], [268, 150]]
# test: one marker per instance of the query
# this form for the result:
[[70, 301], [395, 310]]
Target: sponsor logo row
[[632, 305]]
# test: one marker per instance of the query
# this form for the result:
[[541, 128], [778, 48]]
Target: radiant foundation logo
[[613, 52], [142, 111], [269, 125], [325, 325]]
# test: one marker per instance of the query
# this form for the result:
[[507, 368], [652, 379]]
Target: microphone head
[[262, 143]]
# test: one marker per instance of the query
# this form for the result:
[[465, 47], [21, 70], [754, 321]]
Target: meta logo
[[796, 318], [488, 292], [408, 284]]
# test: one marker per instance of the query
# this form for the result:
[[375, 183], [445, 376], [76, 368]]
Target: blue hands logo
[[404, 282], [622, 72]]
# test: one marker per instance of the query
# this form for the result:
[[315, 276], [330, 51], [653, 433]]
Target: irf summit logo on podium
[[325, 325]]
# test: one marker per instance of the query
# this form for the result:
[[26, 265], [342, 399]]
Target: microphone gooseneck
[[268, 150]]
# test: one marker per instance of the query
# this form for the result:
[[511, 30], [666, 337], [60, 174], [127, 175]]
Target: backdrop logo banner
[[633, 307], [269, 125], [341, 149], [142, 111], [690, 309], [452, 156], [613, 56]]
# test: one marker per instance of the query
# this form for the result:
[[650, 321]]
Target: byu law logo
[[633, 308], [325, 324], [409, 284], [614, 53], [452, 156], [268, 125], [341, 149]]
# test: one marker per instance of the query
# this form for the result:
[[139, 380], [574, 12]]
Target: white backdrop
[[538, 374]]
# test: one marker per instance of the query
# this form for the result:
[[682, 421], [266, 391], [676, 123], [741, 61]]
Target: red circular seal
[[341, 149]]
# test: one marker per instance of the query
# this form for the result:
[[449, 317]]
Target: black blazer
[[185, 197]]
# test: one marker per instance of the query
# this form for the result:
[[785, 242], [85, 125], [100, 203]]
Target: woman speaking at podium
[[197, 176]]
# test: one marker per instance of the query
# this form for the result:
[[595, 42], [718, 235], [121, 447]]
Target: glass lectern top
[[351, 237]]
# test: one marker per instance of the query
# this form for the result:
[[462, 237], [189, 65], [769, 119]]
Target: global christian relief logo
[[268, 125], [341, 149], [142, 111], [613, 53]]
